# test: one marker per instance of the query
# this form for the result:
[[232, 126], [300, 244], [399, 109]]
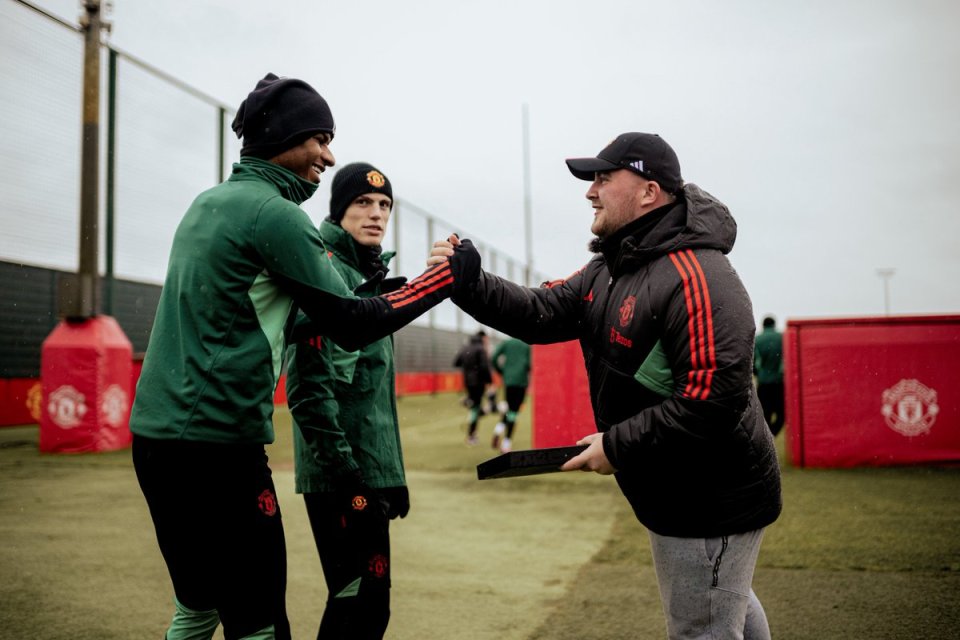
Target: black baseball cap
[[646, 154]]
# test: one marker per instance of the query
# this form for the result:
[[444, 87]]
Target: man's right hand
[[593, 458]]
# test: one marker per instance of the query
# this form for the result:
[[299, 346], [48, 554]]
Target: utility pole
[[527, 199], [885, 274], [79, 297]]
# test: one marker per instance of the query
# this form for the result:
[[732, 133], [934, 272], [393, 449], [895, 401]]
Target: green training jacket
[[768, 356], [346, 399], [215, 353]]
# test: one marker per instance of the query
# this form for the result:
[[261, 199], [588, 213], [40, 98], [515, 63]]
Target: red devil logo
[[378, 565], [267, 502], [626, 310]]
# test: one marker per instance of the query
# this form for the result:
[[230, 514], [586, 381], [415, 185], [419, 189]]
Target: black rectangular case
[[527, 462]]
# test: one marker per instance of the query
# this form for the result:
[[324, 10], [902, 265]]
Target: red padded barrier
[[872, 391], [561, 399], [86, 373]]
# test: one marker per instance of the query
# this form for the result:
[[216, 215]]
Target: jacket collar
[[630, 240], [696, 221], [291, 186], [342, 244]]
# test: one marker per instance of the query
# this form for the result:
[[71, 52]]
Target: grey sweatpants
[[705, 586]]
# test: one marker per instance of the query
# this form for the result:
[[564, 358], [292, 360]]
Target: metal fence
[[162, 143]]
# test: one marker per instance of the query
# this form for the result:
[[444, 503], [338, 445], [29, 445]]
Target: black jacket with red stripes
[[701, 461]]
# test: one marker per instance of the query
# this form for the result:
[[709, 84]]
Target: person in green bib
[[349, 461], [768, 369], [244, 258], [511, 359]]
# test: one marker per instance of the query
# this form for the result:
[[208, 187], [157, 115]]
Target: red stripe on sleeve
[[685, 278], [431, 280], [419, 280], [438, 285], [426, 280], [711, 343], [703, 351], [686, 257]]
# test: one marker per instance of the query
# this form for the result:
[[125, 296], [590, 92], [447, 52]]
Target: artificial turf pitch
[[857, 553]]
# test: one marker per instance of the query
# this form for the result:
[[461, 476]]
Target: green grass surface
[[858, 553]]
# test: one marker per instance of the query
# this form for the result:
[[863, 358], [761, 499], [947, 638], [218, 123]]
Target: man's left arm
[[313, 371]]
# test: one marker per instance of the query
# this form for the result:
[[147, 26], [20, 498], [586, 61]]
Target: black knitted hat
[[354, 180], [279, 114]]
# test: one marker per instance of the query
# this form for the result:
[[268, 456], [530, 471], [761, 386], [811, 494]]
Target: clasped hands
[[593, 458]]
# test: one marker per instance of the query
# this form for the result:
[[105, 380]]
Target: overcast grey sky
[[831, 128]]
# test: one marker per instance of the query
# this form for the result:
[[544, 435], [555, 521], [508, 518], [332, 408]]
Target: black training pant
[[354, 548], [475, 394], [771, 400], [515, 395], [219, 528]]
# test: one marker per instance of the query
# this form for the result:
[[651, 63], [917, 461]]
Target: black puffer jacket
[[701, 461]]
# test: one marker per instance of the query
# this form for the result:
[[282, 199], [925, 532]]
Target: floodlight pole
[[527, 199], [885, 274]]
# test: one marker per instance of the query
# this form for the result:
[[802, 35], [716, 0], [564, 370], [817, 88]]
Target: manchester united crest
[[359, 503], [376, 179], [378, 565], [35, 401], [66, 407], [910, 407], [114, 405], [626, 310], [267, 503]]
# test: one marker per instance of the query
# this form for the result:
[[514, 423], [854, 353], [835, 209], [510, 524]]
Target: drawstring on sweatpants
[[716, 563]]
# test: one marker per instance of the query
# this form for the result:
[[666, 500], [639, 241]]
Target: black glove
[[357, 498], [389, 285], [370, 284], [386, 285], [398, 501], [465, 264]]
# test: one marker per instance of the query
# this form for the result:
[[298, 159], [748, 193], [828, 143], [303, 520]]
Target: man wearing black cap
[[666, 329], [349, 462], [243, 256]]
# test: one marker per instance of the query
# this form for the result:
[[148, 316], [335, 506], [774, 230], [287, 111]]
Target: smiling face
[[308, 159], [366, 218], [618, 198]]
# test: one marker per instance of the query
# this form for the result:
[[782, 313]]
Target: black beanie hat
[[279, 114], [354, 180]]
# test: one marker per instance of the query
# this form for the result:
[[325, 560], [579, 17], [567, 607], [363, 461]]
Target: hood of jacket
[[698, 221]]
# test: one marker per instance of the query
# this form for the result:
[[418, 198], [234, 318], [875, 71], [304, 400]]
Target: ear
[[651, 193]]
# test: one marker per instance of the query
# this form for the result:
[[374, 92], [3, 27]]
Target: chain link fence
[[162, 143]]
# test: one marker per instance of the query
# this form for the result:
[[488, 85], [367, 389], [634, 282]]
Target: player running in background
[[511, 359]]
